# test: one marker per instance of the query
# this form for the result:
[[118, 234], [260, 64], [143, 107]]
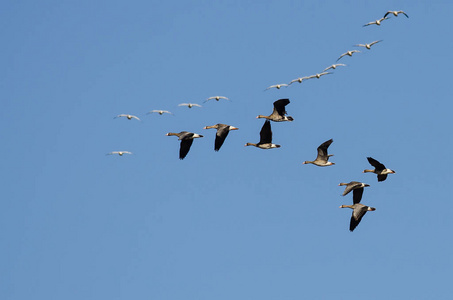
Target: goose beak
[[206, 127]]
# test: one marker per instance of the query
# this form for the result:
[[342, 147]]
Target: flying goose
[[348, 53], [318, 75], [217, 98], [368, 46], [359, 210], [380, 169], [355, 186], [300, 79], [120, 153], [160, 112], [189, 105], [279, 113], [395, 13], [129, 117], [265, 137], [222, 133], [377, 22], [277, 86], [186, 139], [322, 158], [334, 66]]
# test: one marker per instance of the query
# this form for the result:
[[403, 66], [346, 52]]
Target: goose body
[[349, 53], [129, 117], [379, 169], [186, 139], [222, 133], [377, 22], [279, 112], [322, 160], [265, 138], [358, 211]]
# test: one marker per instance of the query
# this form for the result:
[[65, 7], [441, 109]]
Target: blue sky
[[241, 223]]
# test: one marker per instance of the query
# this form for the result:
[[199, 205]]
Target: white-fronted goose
[[160, 112], [359, 210], [120, 153], [279, 112], [334, 66], [322, 160], [380, 169], [217, 98], [189, 105], [277, 86], [265, 137], [348, 53], [186, 139], [222, 133], [377, 22], [357, 187], [129, 117], [396, 13], [368, 46]]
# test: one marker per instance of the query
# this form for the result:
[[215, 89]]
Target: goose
[[222, 133], [319, 75], [279, 113], [129, 117], [380, 169], [160, 112], [120, 153], [377, 22], [186, 139], [334, 66], [265, 137], [189, 105], [359, 210], [300, 79], [396, 13], [348, 53], [368, 46], [355, 186], [322, 158], [277, 86], [217, 98]]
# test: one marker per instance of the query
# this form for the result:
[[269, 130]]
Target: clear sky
[[241, 223]]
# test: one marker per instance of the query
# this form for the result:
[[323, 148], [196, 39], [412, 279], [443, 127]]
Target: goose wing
[[322, 150], [185, 147], [357, 215], [381, 177], [357, 195], [350, 186], [222, 133], [376, 164], [279, 106], [266, 133]]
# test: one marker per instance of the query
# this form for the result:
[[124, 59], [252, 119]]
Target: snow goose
[[349, 53], [129, 117]]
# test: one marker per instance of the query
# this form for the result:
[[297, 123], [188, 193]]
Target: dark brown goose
[[186, 139], [322, 160], [380, 169], [222, 133], [265, 137], [279, 113], [357, 187]]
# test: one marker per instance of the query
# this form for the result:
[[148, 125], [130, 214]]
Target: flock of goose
[[279, 114]]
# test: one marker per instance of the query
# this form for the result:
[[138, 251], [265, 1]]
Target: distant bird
[[368, 46], [129, 117], [277, 86], [319, 75], [322, 158], [279, 113], [359, 210], [120, 153], [300, 79], [377, 22], [222, 133], [355, 186], [334, 66], [189, 105], [186, 139], [380, 169], [348, 53], [396, 13], [265, 137], [160, 112], [217, 98]]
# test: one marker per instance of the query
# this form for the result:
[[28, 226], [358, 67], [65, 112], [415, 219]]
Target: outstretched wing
[[220, 137], [322, 150], [381, 177], [357, 216], [266, 133], [357, 195], [376, 164], [279, 106], [185, 147]]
